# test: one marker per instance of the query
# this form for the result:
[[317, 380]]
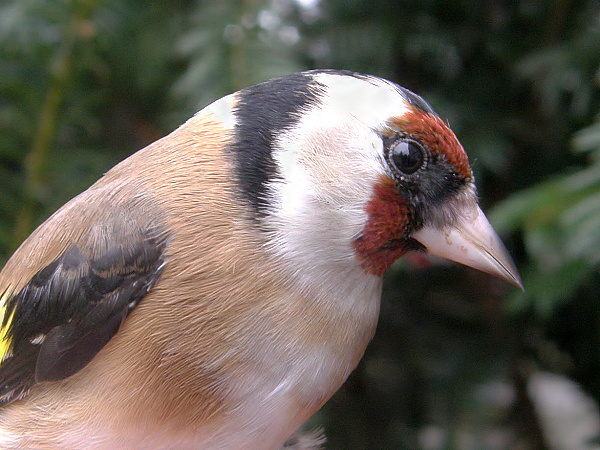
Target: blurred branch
[[48, 118]]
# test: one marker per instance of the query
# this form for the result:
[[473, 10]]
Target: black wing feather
[[72, 307]]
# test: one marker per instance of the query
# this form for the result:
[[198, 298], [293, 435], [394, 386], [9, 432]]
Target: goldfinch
[[214, 289]]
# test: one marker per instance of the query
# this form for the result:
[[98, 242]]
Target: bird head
[[347, 170]]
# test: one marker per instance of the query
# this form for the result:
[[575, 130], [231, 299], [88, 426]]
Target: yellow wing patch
[[5, 337]]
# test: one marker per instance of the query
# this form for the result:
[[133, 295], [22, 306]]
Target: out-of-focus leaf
[[548, 288], [560, 223], [528, 207], [582, 222], [588, 139]]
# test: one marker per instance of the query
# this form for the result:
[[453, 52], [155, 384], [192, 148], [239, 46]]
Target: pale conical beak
[[472, 242]]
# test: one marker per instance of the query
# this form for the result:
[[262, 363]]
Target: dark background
[[461, 360]]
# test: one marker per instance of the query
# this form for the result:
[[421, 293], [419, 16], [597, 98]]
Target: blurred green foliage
[[84, 83]]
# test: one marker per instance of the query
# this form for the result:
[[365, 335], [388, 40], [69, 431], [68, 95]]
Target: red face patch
[[383, 239], [431, 131]]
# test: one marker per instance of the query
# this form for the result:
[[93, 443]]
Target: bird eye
[[407, 156]]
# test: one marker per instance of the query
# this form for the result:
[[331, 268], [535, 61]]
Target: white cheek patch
[[331, 160], [291, 194], [328, 168]]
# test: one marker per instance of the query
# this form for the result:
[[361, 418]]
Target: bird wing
[[66, 312]]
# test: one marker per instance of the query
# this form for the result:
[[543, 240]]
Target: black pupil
[[407, 156]]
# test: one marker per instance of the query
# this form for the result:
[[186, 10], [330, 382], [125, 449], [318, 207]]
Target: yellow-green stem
[[46, 125]]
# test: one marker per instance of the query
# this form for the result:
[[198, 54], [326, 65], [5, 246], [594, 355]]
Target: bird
[[217, 287]]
